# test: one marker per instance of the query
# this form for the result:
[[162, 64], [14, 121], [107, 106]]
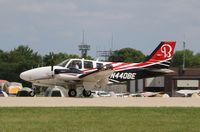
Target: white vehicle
[[123, 95], [89, 74], [56, 91], [135, 95], [149, 94], [100, 94], [25, 92], [187, 93]]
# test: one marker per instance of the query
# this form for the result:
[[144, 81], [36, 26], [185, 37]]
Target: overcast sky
[[57, 25]]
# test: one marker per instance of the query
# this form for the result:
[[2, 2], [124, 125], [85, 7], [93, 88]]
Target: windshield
[[63, 64]]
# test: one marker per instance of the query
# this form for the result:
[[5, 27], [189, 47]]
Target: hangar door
[[187, 84], [155, 84], [136, 86]]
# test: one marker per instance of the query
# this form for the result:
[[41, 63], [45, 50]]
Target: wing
[[96, 78]]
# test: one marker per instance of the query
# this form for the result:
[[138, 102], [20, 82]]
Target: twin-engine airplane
[[88, 74]]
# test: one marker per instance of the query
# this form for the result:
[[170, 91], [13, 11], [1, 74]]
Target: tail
[[156, 65], [161, 57]]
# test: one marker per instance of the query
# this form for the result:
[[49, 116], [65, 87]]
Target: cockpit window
[[63, 64], [75, 64]]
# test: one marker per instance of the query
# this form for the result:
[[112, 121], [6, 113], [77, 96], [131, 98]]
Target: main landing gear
[[73, 93], [86, 93]]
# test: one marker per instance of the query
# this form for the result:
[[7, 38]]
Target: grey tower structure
[[83, 47]]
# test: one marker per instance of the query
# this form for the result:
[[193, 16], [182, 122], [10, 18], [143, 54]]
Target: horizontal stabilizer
[[162, 70]]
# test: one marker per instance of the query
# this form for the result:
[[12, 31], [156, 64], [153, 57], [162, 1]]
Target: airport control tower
[[83, 47]]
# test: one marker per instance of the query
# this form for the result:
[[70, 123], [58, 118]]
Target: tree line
[[23, 58]]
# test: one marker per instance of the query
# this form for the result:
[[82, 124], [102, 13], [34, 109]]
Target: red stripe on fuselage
[[140, 65]]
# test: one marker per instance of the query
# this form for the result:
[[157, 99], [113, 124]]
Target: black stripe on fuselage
[[133, 74]]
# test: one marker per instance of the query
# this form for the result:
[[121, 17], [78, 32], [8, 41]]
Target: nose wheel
[[86, 93], [72, 93]]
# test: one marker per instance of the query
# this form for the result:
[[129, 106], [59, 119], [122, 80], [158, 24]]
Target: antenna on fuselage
[[98, 59]]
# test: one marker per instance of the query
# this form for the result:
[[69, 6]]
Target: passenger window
[[75, 64], [99, 65], [88, 64]]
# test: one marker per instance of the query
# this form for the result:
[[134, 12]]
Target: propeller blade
[[52, 61]]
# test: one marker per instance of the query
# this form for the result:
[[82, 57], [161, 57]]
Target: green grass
[[100, 119]]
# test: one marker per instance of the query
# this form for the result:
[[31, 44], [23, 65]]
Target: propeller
[[52, 62]]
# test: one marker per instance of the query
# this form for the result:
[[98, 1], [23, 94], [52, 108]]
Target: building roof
[[186, 78], [186, 71]]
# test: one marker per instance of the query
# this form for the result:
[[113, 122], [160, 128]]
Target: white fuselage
[[44, 76]]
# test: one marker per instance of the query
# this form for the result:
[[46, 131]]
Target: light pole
[[184, 55]]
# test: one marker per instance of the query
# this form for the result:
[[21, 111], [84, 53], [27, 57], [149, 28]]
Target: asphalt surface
[[98, 102]]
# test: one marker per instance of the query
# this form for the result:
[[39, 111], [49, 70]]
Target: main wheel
[[87, 93], [72, 92]]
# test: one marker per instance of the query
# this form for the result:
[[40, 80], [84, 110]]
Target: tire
[[87, 93], [72, 93]]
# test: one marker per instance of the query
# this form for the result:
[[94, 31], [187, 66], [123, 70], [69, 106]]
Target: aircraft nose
[[25, 76]]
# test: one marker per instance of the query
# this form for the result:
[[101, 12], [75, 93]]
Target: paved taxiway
[[98, 102]]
